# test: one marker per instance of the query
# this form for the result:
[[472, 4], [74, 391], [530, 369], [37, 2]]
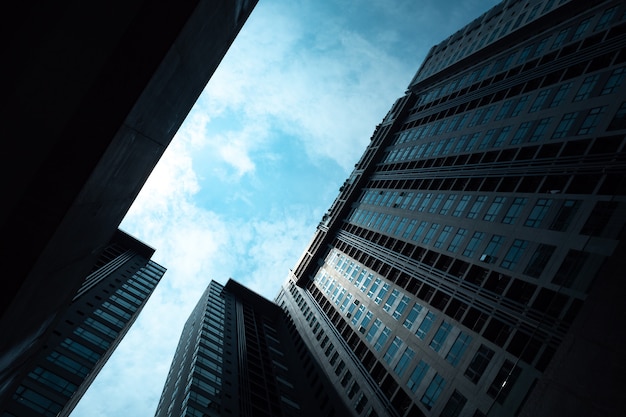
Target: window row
[[549, 43]]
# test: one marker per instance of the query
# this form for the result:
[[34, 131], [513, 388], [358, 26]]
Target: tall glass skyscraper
[[472, 262], [59, 368], [239, 355]]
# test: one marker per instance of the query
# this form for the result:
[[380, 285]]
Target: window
[[430, 233], [504, 381], [540, 130], [457, 240], [395, 346], [374, 287], [68, 364], [502, 136], [581, 29], [436, 203], [478, 204], [564, 125], [540, 100], [409, 229], [539, 260], [533, 12], [521, 133], [488, 113], [52, 380], [584, 91], [81, 350], [432, 392], [540, 47], [360, 404], [425, 202], [417, 375], [426, 324], [458, 348], [91, 337], [367, 318], [94, 324], [548, 6], [392, 299], [382, 339], [443, 236], [614, 81], [370, 335], [515, 252], [440, 336], [458, 211], [404, 361], [605, 19], [565, 215], [37, 402], [410, 318], [479, 363], [560, 38], [476, 117], [514, 211], [560, 94], [504, 110], [358, 314], [474, 242], [108, 317], [591, 120], [494, 209], [353, 389], [404, 302], [454, 405], [419, 231], [538, 212], [383, 291], [492, 249], [521, 103], [484, 144], [446, 206]]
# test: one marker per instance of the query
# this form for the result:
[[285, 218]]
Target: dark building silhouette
[[93, 94], [473, 261], [239, 355], [60, 367]]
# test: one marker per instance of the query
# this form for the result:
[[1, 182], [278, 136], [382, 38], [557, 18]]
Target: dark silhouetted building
[[93, 94], [239, 355], [59, 368]]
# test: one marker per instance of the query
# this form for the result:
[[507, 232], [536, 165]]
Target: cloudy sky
[[260, 158]]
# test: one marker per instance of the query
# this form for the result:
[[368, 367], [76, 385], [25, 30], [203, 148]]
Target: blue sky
[[260, 158]]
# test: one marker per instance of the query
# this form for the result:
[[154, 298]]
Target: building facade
[[239, 355], [59, 368], [471, 264]]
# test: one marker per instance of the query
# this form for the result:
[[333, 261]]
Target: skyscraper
[[238, 355], [472, 263], [55, 372]]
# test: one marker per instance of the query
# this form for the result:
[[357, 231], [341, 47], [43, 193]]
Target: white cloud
[[326, 85]]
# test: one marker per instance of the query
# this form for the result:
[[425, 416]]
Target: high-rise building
[[239, 355], [55, 372], [95, 93], [473, 261]]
